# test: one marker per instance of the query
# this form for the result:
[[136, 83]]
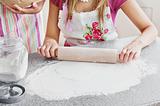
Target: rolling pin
[[19, 3], [101, 55]]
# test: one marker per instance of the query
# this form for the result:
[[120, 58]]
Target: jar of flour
[[13, 59]]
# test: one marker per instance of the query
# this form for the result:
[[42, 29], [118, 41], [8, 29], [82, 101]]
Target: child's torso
[[85, 26]]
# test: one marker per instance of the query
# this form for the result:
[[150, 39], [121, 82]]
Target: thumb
[[34, 5]]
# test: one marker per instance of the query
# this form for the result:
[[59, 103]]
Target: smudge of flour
[[71, 79]]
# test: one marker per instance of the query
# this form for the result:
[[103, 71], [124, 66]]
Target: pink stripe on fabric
[[16, 20], [5, 18], [27, 33], [18, 32], [38, 31], [1, 29], [15, 24]]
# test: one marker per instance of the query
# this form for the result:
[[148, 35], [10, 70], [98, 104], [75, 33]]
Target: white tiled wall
[[150, 7]]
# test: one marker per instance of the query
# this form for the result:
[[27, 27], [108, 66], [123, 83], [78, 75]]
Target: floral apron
[[85, 29]]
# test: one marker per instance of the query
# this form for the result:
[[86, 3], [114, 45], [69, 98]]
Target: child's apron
[[85, 29]]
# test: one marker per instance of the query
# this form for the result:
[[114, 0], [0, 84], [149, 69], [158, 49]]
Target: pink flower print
[[106, 31], [95, 25], [97, 34], [96, 37], [108, 16], [88, 37]]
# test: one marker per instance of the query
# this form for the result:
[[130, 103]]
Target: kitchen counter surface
[[144, 94]]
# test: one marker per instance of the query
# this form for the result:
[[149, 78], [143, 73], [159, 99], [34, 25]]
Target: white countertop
[[145, 93]]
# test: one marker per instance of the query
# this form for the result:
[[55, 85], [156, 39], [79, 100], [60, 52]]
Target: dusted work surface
[[146, 92]]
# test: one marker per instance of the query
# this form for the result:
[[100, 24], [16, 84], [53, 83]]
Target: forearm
[[148, 35], [53, 30], [142, 22], [55, 37]]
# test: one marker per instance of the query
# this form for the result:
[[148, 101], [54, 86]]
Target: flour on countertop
[[71, 79]]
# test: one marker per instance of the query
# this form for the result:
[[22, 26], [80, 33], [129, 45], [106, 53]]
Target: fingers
[[21, 10], [11, 8], [35, 5], [128, 55], [42, 50], [53, 52], [131, 56], [18, 9], [14, 8], [48, 50], [35, 8], [122, 54]]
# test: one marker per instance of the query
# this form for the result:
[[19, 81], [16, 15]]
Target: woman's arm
[[35, 8], [142, 22], [52, 35]]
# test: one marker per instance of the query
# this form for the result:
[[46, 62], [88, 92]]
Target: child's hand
[[49, 48], [35, 8], [130, 52]]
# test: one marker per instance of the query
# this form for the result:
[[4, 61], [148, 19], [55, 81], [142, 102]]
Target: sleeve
[[58, 3], [116, 4]]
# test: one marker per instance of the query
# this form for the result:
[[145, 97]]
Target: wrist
[[140, 42], [51, 38]]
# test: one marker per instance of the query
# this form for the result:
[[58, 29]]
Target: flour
[[13, 68], [71, 79], [13, 61]]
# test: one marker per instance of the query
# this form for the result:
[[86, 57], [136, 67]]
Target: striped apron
[[27, 26]]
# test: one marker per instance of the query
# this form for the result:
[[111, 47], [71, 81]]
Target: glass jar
[[13, 59]]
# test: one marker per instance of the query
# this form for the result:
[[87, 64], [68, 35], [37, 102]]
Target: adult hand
[[35, 7]]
